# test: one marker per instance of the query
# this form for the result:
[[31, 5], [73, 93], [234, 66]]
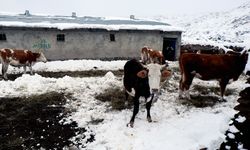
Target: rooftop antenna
[[27, 13], [132, 17], [73, 15]]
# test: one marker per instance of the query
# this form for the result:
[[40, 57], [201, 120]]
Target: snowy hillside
[[231, 26]]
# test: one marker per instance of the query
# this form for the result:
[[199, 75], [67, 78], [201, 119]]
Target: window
[[2, 37], [112, 37], [60, 37]]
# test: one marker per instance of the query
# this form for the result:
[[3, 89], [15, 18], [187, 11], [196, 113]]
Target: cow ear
[[164, 67], [165, 73], [244, 52], [244, 55], [142, 74]]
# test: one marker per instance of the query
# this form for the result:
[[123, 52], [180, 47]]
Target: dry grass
[[206, 97], [201, 101], [206, 90], [116, 97]]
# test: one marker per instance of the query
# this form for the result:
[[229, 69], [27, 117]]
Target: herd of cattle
[[143, 78]]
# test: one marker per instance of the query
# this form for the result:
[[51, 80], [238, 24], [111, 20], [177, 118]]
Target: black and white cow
[[140, 80]]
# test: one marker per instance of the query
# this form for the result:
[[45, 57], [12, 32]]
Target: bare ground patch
[[36, 122], [205, 96], [201, 101]]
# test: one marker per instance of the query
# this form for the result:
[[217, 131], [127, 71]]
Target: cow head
[[41, 57], [155, 73]]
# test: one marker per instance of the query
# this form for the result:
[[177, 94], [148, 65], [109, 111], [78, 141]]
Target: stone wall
[[238, 134]]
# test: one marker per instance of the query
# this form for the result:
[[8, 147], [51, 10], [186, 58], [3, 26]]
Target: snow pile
[[73, 65]]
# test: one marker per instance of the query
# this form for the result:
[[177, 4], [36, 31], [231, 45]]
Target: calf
[[143, 81], [156, 56], [18, 58], [151, 56], [222, 67]]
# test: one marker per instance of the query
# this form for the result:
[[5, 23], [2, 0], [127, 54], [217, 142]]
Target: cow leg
[[148, 106], [31, 71], [185, 82], [151, 60], [4, 70], [24, 69], [135, 111], [187, 94], [126, 98], [182, 84], [223, 84], [187, 85], [181, 88]]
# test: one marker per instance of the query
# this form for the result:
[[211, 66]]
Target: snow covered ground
[[175, 125]]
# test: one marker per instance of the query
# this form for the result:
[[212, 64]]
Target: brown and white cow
[[144, 55], [156, 56], [222, 67], [19, 58], [149, 55]]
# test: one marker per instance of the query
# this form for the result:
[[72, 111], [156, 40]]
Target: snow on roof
[[73, 22]]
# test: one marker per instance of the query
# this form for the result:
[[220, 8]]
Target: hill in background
[[228, 28]]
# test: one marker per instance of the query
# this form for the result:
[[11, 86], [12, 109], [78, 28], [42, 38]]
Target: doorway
[[169, 48]]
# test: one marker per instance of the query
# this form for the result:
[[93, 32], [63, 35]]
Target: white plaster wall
[[93, 44]]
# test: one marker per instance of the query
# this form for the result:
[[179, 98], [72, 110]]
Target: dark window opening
[[169, 48], [60, 37], [2, 37], [112, 37]]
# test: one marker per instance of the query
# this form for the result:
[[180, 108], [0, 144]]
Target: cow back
[[22, 56], [213, 66], [131, 80], [157, 56]]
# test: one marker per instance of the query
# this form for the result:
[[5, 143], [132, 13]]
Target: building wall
[[85, 43]]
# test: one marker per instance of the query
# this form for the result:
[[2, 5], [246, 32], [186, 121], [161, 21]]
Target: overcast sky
[[119, 8]]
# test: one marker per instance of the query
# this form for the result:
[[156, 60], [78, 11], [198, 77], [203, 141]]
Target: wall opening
[[3, 37], [169, 48], [112, 37], [60, 37]]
